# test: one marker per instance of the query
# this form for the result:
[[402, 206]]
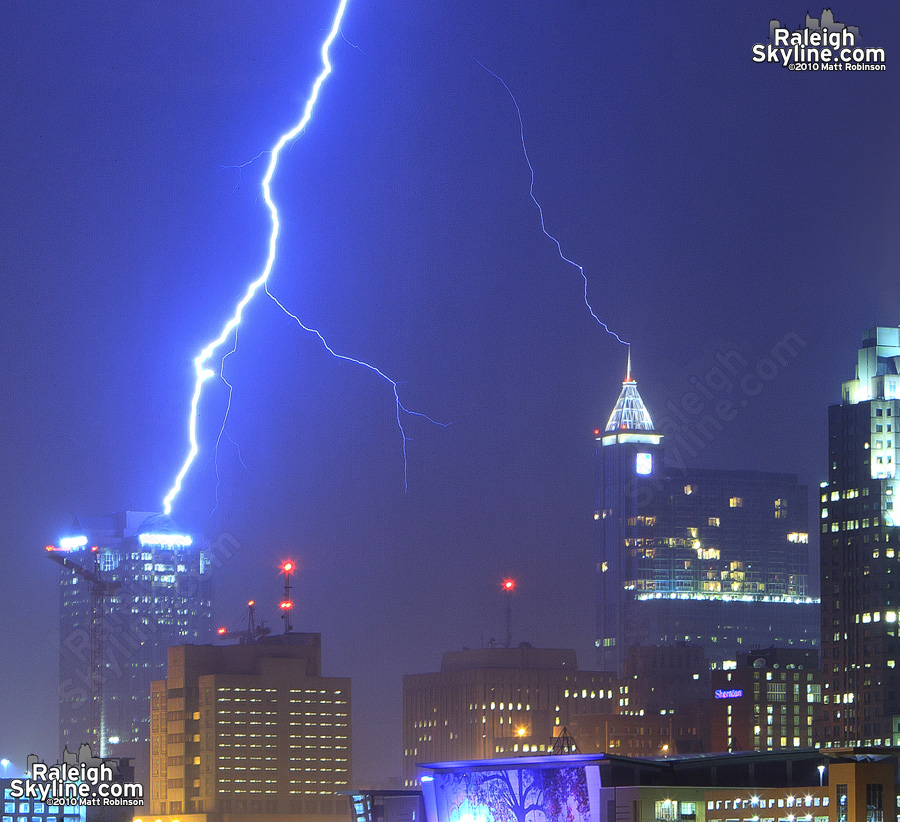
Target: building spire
[[630, 413]]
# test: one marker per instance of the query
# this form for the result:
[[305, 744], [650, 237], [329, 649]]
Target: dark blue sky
[[716, 204]]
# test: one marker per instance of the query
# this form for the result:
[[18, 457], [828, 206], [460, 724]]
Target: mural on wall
[[513, 795]]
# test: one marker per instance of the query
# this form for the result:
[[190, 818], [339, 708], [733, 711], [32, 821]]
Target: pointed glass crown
[[630, 413]]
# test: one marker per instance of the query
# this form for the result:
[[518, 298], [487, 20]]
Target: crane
[[100, 590]]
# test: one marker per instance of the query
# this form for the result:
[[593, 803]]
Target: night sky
[[717, 205]]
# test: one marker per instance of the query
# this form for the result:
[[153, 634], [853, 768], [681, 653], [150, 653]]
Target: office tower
[[712, 558], [244, 730], [156, 593], [494, 702], [771, 701], [860, 542]]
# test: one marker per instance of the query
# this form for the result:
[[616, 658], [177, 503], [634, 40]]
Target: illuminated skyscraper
[[712, 558], [158, 595], [860, 549]]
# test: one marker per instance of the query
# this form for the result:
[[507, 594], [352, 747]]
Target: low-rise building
[[242, 731]]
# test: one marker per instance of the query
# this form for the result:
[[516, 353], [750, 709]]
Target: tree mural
[[517, 795]]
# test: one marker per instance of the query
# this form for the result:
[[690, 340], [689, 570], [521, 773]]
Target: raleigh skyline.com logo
[[78, 780], [823, 44]]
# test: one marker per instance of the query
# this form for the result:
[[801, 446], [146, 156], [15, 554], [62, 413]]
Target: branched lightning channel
[[395, 386], [201, 361], [223, 430], [541, 210]]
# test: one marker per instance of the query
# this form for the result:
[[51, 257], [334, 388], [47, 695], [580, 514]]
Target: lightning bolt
[[202, 369], [540, 209]]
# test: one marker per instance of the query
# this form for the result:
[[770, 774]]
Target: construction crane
[[100, 590]]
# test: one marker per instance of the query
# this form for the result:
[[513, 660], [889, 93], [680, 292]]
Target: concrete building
[[713, 558], [494, 702], [161, 597], [860, 551], [251, 731], [663, 708], [769, 702]]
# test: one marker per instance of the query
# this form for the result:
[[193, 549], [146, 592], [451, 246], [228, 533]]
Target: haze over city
[[736, 222]]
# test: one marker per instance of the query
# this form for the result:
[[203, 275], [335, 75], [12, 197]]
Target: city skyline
[[689, 181]]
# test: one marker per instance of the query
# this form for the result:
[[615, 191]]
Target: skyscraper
[[860, 550], [714, 558], [156, 593]]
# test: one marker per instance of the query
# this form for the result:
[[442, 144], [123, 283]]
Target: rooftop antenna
[[286, 604], [628, 367], [509, 586], [253, 632]]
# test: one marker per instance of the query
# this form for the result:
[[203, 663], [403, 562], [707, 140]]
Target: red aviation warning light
[[508, 586], [287, 568], [223, 631]]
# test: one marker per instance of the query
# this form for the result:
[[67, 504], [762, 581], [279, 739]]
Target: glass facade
[[859, 553], [716, 558]]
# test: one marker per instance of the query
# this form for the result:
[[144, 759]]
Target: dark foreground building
[[713, 558], [860, 550]]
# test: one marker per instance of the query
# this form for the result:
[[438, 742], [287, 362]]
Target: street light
[[821, 774]]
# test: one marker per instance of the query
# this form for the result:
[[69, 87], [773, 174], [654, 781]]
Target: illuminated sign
[[165, 540], [736, 693], [72, 543], [643, 463]]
